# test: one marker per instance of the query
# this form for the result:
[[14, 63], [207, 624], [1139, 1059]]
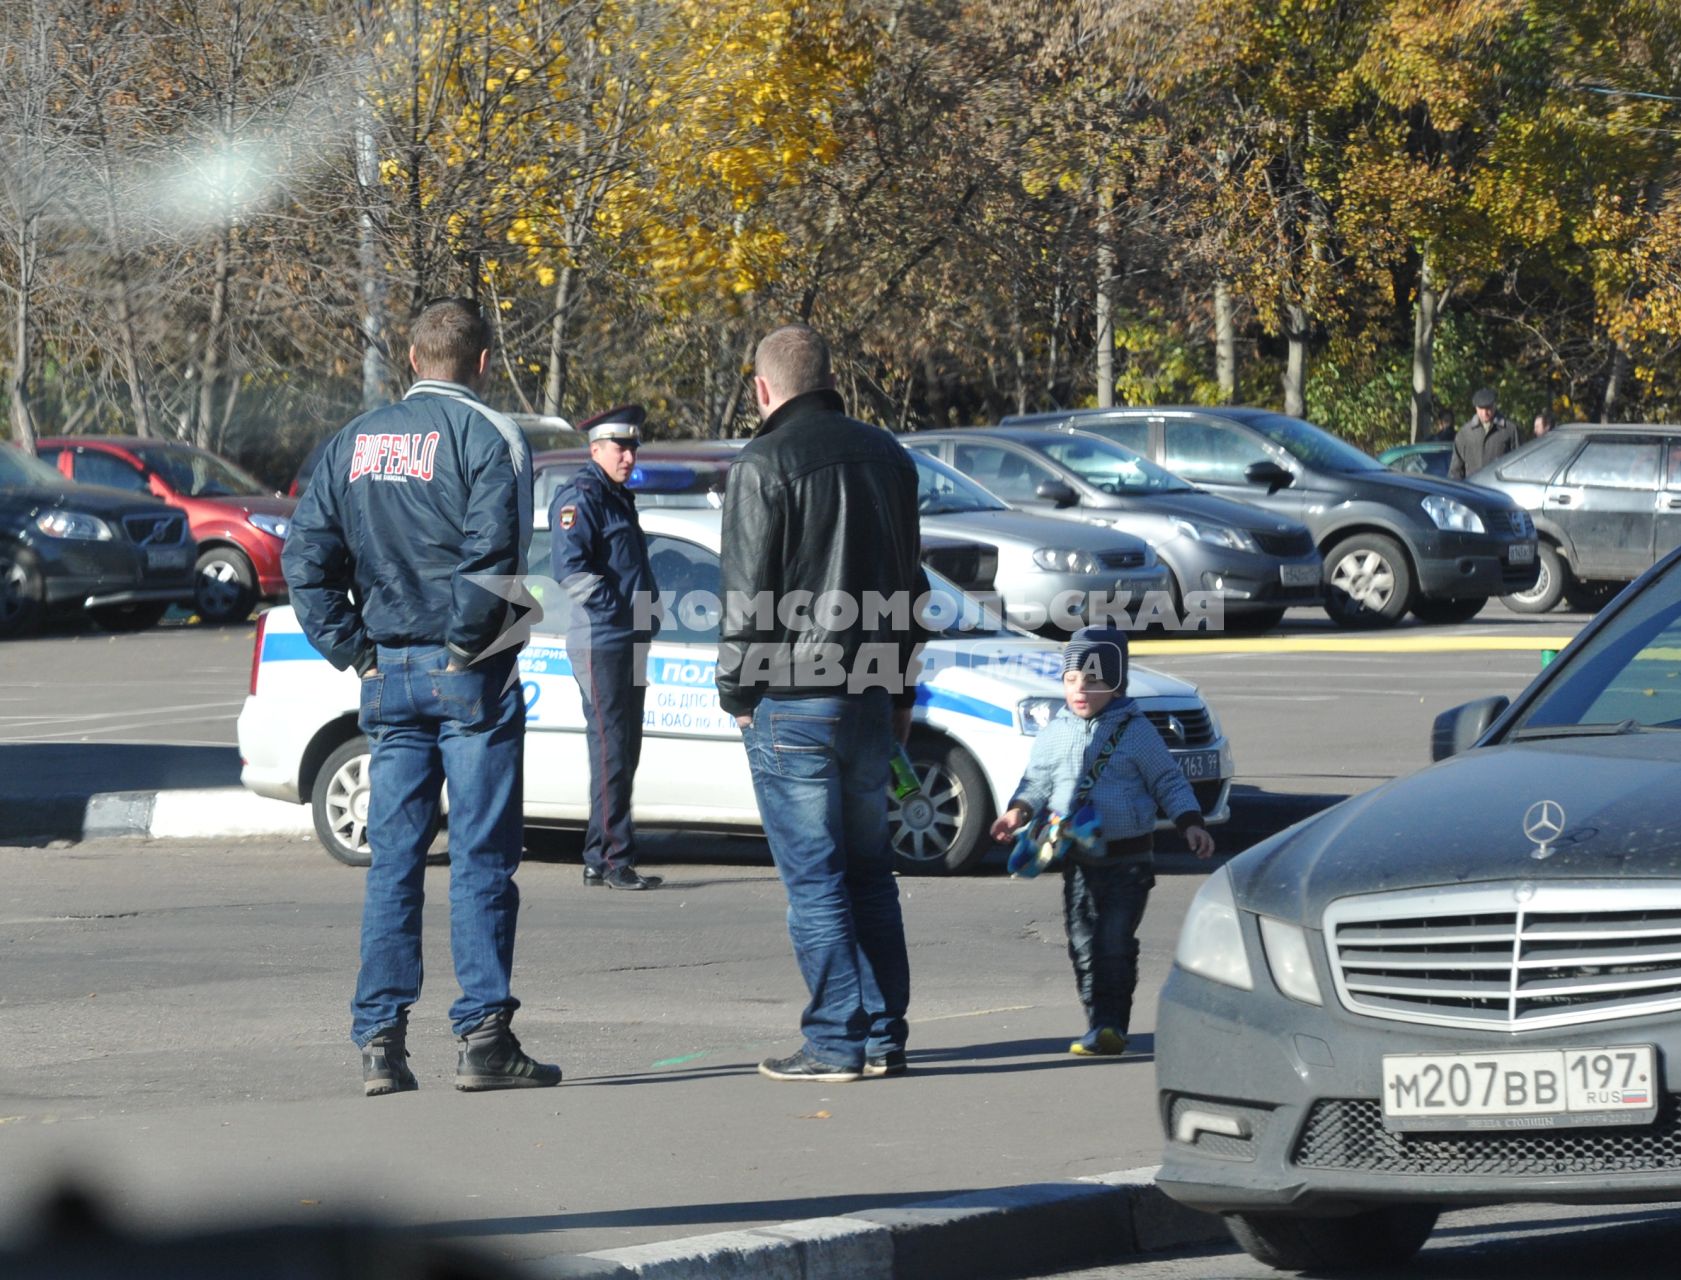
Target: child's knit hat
[[1100, 652]]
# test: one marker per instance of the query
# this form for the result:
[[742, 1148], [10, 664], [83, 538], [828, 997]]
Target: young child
[[1104, 889]]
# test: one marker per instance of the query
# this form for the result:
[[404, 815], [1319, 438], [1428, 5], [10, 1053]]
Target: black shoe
[[891, 1063], [491, 1058], [592, 878], [802, 1066], [626, 878], [385, 1062]]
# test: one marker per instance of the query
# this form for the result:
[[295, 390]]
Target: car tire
[[953, 834], [1385, 1237], [129, 617], [1368, 582], [339, 803], [1549, 588], [1446, 612], [224, 586], [22, 597]]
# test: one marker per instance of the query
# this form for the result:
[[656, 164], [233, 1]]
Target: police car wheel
[[339, 801], [943, 829]]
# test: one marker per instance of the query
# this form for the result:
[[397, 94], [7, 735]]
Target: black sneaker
[[385, 1062], [802, 1066], [891, 1063], [626, 878], [491, 1058]]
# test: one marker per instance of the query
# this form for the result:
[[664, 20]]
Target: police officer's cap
[[622, 423]]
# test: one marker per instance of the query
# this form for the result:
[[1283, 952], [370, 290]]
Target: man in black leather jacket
[[412, 507], [820, 579]]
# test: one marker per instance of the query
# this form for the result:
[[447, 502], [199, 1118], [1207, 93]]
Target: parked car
[[122, 557], [1606, 501], [1426, 458], [1258, 564], [1045, 571], [1391, 542], [238, 522], [1458, 988], [986, 690], [544, 433]]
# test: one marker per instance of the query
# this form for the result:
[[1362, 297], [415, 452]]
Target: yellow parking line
[[1353, 644]]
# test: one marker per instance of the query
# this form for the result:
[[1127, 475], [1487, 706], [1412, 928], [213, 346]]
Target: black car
[[66, 547], [1391, 542], [1461, 987], [1606, 500]]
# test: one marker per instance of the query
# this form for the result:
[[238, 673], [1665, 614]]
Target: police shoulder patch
[[568, 517]]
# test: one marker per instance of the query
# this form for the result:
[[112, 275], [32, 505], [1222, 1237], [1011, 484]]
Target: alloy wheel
[[923, 828], [347, 803], [1365, 577]]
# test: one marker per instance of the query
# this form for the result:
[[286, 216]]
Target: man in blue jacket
[[601, 559], [410, 504]]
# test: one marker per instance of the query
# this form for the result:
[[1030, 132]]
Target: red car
[[239, 523]]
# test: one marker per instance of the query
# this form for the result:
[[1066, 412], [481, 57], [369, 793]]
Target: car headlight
[[73, 524], [1033, 714], [1287, 957], [274, 526], [1452, 514], [1066, 560], [1211, 940], [1218, 535]]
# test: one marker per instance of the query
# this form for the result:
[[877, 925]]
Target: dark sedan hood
[[89, 498], [1462, 821], [1395, 483], [1207, 508]]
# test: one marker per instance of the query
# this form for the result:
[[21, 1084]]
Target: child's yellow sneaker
[[1100, 1042]]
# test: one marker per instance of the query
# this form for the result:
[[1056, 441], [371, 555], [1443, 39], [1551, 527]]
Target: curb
[[199, 813], [1021, 1230]]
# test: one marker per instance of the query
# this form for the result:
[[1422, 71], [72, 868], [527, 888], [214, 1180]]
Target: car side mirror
[[1270, 474], [1056, 491], [1456, 730]]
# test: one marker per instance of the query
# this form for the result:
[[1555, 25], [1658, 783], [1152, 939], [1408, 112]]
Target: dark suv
[[1391, 542], [1606, 501]]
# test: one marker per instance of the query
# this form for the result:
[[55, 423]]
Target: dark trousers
[[613, 698], [1102, 905]]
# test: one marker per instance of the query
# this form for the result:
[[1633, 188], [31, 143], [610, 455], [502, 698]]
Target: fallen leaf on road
[[815, 1115]]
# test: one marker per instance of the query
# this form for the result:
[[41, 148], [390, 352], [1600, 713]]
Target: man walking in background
[[1487, 436], [409, 503], [820, 572]]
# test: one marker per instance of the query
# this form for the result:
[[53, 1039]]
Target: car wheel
[[129, 617], [1368, 582], [1448, 611], [224, 586], [21, 598], [1384, 1237], [339, 801], [1549, 588], [942, 830]]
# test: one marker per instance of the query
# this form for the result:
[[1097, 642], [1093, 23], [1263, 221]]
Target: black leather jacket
[[820, 560]]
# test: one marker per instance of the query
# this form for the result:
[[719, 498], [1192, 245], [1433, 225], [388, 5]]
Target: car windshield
[[1110, 468], [20, 471], [1625, 678], [941, 491], [953, 614], [1312, 445], [193, 473], [543, 438]]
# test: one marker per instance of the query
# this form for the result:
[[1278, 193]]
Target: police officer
[[416, 510], [601, 559]]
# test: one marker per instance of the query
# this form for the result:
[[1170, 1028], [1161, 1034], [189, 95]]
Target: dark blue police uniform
[[601, 559]]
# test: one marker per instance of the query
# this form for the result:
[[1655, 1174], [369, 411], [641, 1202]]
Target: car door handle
[[1672, 502], [1560, 499]]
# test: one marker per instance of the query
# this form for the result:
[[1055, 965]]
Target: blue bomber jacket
[[1141, 773]]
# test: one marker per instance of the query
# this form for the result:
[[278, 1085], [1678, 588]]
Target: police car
[[986, 690]]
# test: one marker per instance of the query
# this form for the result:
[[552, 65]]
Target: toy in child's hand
[[1048, 837]]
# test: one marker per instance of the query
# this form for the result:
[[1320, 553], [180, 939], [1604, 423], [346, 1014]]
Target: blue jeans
[[1102, 907], [819, 770], [426, 724]]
